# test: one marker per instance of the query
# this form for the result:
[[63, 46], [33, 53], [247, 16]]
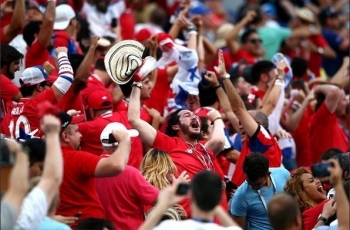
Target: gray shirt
[[8, 216]]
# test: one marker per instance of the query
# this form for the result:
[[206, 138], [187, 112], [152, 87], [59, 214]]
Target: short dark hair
[[299, 66], [204, 124], [126, 88], [9, 54], [95, 224], [282, 211], [328, 154], [37, 150], [255, 166], [158, 16], [207, 94], [27, 91], [261, 67], [206, 190], [174, 119], [344, 161], [30, 30], [246, 34]]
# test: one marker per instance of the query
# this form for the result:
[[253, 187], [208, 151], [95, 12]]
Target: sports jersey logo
[[189, 150]]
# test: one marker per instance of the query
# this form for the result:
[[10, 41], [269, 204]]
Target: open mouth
[[320, 189], [194, 124]]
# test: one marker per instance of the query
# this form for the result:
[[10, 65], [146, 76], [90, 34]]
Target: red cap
[[143, 35], [100, 99]]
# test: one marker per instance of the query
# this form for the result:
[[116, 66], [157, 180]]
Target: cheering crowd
[[182, 114]]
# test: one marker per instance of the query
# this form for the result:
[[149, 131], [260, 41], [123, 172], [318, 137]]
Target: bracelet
[[137, 84], [279, 82], [216, 87], [226, 76], [218, 118]]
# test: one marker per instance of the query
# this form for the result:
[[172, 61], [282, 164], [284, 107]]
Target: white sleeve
[[33, 211]]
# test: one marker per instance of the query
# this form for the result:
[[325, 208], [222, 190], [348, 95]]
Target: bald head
[[260, 117], [284, 212]]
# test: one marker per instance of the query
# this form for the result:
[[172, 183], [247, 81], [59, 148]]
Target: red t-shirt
[[62, 38], [262, 142], [123, 105], [78, 189], [92, 130], [257, 92], [300, 136], [159, 99], [124, 196], [325, 133], [3, 40], [309, 216], [71, 100], [37, 54], [187, 158], [7, 93], [25, 114]]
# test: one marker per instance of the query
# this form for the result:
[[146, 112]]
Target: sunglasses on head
[[255, 40]]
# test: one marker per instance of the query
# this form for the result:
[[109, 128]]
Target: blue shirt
[[52, 224], [246, 202], [331, 66]]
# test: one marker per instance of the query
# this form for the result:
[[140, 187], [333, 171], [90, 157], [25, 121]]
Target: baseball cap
[[33, 75], [107, 138], [100, 99], [143, 35], [64, 14], [327, 13], [67, 119]]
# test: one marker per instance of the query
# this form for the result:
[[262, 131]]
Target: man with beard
[[10, 63], [181, 139]]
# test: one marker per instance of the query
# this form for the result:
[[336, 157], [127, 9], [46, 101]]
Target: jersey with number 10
[[25, 114]]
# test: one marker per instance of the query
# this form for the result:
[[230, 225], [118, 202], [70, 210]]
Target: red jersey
[[71, 100], [92, 130], [158, 99], [309, 216], [189, 158], [123, 105], [263, 142], [62, 38], [124, 196], [25, 114], [257, 92], [3, 40], [325, 133], [8, 91], [78, 189]]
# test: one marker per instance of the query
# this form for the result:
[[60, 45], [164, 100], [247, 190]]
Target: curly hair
[[173, 119], [155, 167], [295, 188]]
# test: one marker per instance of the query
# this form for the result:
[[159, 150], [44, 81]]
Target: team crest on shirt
[[189, 150]]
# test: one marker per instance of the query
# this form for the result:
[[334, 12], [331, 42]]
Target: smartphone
[[182, 189], [114, 22], [320, 170], [78, 214]]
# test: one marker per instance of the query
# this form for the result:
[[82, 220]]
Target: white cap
[[107, 131], [64, 14]]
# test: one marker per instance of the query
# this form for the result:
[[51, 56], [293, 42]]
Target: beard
[[9, 74], [185, 129]]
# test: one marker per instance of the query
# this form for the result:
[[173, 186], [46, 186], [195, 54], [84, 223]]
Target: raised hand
[[48, 67], [121, 134], [221, 69], [94, 41], [211, 78], [213, 114], [61, 49], [250, 15], [153, 42], [50, 124]]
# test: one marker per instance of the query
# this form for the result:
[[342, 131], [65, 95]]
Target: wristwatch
[[321, 218], [137, 84]]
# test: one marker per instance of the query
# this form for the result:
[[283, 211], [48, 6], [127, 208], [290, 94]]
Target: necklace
[[203, 158]]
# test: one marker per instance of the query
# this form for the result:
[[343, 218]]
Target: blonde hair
[[295, 187], [155, 167]]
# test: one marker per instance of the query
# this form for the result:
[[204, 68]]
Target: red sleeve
[[310, 216], [149, 193], [8, 89], [323, 113], [319, 41], [2, 37], [60, 41], [46, 95], [164, 142], [86, 163], [127, 25]]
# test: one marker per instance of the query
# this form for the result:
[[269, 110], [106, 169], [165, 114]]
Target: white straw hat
[[123, 59]]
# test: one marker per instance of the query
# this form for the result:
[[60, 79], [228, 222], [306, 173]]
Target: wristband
[[216, 87], [137, 84], [218, 118], [279, 82], [226, 76]]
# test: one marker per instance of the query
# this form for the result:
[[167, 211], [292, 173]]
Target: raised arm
[[46, 30], [332, 93], [65, 73], [18, 181], [153, 45], [217, 139], [17, 21], [342, 75], [237, 104], [116, 163], [146, 131]]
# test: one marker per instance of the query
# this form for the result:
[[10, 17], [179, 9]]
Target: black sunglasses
[[255, 41]]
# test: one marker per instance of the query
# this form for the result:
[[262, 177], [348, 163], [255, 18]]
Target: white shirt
[[191, 225], [33, 210]]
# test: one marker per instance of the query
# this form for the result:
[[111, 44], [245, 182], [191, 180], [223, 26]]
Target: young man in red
[[100, 104], [124, 196], [324, 129], [36, 88], [181, 139], [78, 190], [10, 63]]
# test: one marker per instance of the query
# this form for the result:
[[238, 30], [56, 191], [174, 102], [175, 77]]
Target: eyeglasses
[[255, 40]]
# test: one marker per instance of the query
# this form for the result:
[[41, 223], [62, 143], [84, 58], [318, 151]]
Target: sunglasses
[[255, 41]]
